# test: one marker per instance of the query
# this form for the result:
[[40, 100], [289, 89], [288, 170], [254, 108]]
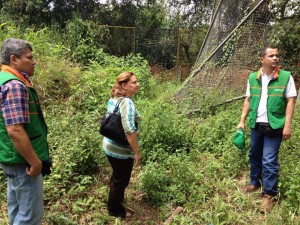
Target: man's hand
[[245, 112], [286, 133], [241, 125], [22, 144], [34, 170]]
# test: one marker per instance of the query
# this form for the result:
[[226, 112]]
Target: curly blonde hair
[[117, 90]]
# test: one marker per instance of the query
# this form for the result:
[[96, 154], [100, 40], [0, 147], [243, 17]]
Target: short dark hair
[[13, 46], [263, 50]]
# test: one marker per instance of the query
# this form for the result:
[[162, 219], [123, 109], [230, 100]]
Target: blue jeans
[[263, 157], [25, 201]]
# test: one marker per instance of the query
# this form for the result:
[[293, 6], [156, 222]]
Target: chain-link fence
[[158, 46], [171, 49], [231, 48], [119, 40]]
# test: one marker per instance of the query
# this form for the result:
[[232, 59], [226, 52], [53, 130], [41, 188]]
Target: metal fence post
[[178, 73], [134, 40]]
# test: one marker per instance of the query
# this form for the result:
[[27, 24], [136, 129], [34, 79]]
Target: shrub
[[173, 178], [163, 128], [86, 40], [289, 180]]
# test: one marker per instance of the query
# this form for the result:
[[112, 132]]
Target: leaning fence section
[[230, 50]]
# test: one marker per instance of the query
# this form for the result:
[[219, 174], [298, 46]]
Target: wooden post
[[178, 210]]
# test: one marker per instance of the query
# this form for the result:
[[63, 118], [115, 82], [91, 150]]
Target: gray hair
[[12, 46]]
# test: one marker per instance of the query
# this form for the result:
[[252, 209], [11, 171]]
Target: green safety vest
[[36, 129], [276, 102]]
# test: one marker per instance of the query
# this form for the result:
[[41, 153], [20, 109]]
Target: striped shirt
[[14, 100], [129, 116]]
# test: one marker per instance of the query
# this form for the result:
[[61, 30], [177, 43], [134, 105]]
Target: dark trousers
[[118, 182]]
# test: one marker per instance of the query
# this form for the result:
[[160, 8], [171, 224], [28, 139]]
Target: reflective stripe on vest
[[276, 102], [36, 129]]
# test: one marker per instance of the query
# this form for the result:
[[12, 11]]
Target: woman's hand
[[132, 139], [137, 159]]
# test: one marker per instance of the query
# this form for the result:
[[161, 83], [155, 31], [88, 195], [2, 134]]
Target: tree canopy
[[154, 14], [149, 13]]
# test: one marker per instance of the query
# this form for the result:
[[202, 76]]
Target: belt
[[15, 164]]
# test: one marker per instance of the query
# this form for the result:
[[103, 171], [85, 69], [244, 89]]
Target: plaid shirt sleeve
[[14, 103]]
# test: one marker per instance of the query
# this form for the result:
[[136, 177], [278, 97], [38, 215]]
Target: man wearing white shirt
[[270, 102]]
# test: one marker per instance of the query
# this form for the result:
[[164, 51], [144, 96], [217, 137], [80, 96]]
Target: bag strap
[[117, 105]]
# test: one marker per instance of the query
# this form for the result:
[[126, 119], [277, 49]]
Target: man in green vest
[[23, 139], [270, 102]]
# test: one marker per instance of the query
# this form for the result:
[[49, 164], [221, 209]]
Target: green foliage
[[2, 186], [285, 33], [26, 12], [217, 132], [165, 176], [85, 39], [189, 14], [228, 50], [289, 181], [126, 13], [163, 129], [40, 13], [75, 148], [286, 36], [172, 178], [202, 103], [151, 16], [8, 29], [94, 85], [190, 42], [50, 79]]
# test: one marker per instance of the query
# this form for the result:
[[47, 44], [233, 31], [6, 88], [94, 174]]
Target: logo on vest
[[277, 90]]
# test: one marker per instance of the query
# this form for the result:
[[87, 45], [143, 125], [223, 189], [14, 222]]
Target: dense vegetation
[[186, 161]]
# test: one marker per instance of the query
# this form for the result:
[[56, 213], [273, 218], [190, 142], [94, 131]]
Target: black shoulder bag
[[111, 126]]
